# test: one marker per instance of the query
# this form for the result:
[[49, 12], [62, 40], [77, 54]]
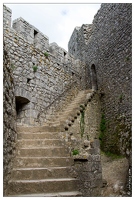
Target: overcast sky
[[57, 21]]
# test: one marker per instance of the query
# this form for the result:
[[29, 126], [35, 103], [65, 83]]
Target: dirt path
[[114, 171]]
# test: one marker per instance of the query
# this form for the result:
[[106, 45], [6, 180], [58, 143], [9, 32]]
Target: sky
[[57, 21]]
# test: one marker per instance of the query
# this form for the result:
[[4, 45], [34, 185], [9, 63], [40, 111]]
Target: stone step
[[25, 162], [58, 194], [72, 113], [78, 100], [66, 115], [71, 110], [43, 135], [42, 186], [32, 129], [60, 122], [44, 151], [42, 173], [38, 143], [76, 104]]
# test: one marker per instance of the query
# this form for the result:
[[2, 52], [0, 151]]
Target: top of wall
[[79, 39], [32, 34], [7, 14]]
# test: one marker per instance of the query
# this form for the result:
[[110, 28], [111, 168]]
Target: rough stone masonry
[[42, 72], [106, 48], [9, 118]]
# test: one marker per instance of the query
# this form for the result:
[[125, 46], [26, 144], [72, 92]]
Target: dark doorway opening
[[94, 77], [20, 103]]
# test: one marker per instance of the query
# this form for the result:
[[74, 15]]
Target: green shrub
[[103, 123], [46, 54], [75, 152], [35, 68], [82, 123], [112, 155]]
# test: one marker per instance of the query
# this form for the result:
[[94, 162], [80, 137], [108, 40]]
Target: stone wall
[[108, 58], [85, 139], [42, 72], [7, 14], [78, 41], [9, 119], [110, 50], [32, 34], [77, 47], [84, 145]]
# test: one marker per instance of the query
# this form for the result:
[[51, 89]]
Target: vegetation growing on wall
[[102, 130], [108, 142], [82, 122], [112, 155], [121, 97], [75, 152], [116, 142], [13, 67], [46, 54], [35, 68]]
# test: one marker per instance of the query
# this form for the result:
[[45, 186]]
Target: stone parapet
[[32, 34]]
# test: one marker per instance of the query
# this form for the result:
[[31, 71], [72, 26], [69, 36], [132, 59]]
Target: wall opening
[[94, 77], [35, 33], [20, 103], [28, 80]]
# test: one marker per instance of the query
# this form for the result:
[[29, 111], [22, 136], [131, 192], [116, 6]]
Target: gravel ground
[[114, 171]]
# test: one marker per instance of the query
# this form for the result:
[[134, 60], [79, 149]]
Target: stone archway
[[22, 100], [20, 103], [94, 77]]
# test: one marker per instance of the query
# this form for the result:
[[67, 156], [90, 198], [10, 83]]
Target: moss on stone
[[82, 123], [102, 130]]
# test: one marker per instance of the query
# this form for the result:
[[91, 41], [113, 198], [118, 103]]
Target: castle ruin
[[61, 108]]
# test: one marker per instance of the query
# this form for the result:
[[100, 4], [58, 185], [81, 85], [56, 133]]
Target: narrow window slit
[[28, 80]]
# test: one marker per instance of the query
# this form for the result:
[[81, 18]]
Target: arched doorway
[[94, 77], [20, 103], [23, 105]]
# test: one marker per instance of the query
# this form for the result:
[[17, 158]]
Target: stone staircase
[[65, 118], [43, 165]]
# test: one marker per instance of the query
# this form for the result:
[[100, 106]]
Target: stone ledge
[[81, 158]]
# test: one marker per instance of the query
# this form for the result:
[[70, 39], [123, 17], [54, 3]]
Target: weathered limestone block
[[86, 143]]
